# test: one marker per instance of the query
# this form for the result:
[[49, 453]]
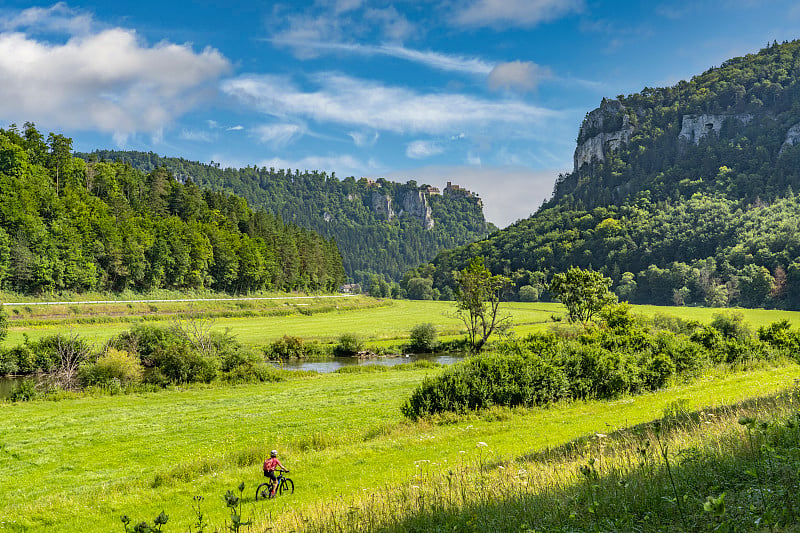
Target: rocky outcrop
[[603, 130], [695, 127], [413, 203], [792, 138], [382, 205]]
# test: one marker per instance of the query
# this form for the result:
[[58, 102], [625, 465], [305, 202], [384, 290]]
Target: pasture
[[259, 322], [80, 464]]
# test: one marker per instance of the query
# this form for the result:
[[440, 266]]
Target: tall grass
[[727, 469]]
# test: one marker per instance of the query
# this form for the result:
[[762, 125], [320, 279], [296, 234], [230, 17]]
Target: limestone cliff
[[413, 203], [603, 130], [695, 127], [792, 138]]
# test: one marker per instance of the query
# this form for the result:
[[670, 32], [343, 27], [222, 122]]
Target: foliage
[[350, 212], [671, 222], [622, 354], [478, 299], [423, 338], [349, 344], [75, 225], [584, 292], [112, 365], [290, 347]]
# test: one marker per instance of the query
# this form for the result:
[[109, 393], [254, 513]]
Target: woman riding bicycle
[[269, 470]]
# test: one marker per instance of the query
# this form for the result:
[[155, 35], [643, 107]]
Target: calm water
[[9, 384], [331, 365]]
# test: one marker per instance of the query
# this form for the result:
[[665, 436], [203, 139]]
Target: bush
[[487, 380], [528, 293], [180, 364], [423, 338], [113, 365], [289, 347], [25, 392], [349, 344]]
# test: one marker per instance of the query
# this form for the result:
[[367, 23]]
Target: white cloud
[[517, 13], [196, 135], [278, 135], [109, 80], [434, 60], [423, 149], [57, 18], [508, 193], [519, 75], [341, 21], [364, 139], [238, 127], [354, 102]]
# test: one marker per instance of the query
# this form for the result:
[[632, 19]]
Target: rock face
[[603, 130], [414, 203], [792, 138], [695, 127]]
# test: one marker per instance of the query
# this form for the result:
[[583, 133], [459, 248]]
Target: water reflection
[[333, 364]]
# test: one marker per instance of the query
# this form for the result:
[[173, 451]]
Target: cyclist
[[269, 470]]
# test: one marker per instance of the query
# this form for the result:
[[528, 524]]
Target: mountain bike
[[285, 486]]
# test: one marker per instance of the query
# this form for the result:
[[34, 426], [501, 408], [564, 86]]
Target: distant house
[[350, 288], [433, 190]]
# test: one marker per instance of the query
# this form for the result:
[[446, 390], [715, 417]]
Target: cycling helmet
[[273, 453]]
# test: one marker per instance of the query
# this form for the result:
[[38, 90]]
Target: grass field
[[256, 323], [77, 465]]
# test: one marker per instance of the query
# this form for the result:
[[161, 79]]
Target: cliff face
[[695, 127], [603, 130], [411, 202]]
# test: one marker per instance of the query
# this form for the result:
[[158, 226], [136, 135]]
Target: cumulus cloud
[[58, 18], [517, 75], [108, 80], [354, 102], [423, 149], [517, 13]]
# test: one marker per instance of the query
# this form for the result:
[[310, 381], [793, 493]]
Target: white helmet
[[273, 453]]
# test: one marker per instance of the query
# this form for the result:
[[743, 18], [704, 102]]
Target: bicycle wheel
[[287, 487], [262, 492]]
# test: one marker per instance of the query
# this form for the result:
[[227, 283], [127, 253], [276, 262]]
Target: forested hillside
[[379, 226], [69, 225], [682, 195]]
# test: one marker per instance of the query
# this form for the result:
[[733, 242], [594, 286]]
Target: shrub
[[349, 344], [113, 365], [287, 347], [528, 293], [486, 380], [25, 392], [180, 364], [423, 338], [731, 325]]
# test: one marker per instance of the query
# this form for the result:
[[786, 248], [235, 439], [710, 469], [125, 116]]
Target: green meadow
[[259, 322], [80, 464]]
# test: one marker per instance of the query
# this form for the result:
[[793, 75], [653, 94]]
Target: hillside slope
[[379, 226], [68, 225], [682, 195]]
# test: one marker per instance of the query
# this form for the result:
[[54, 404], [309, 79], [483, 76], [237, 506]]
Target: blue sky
[[485, 93]]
